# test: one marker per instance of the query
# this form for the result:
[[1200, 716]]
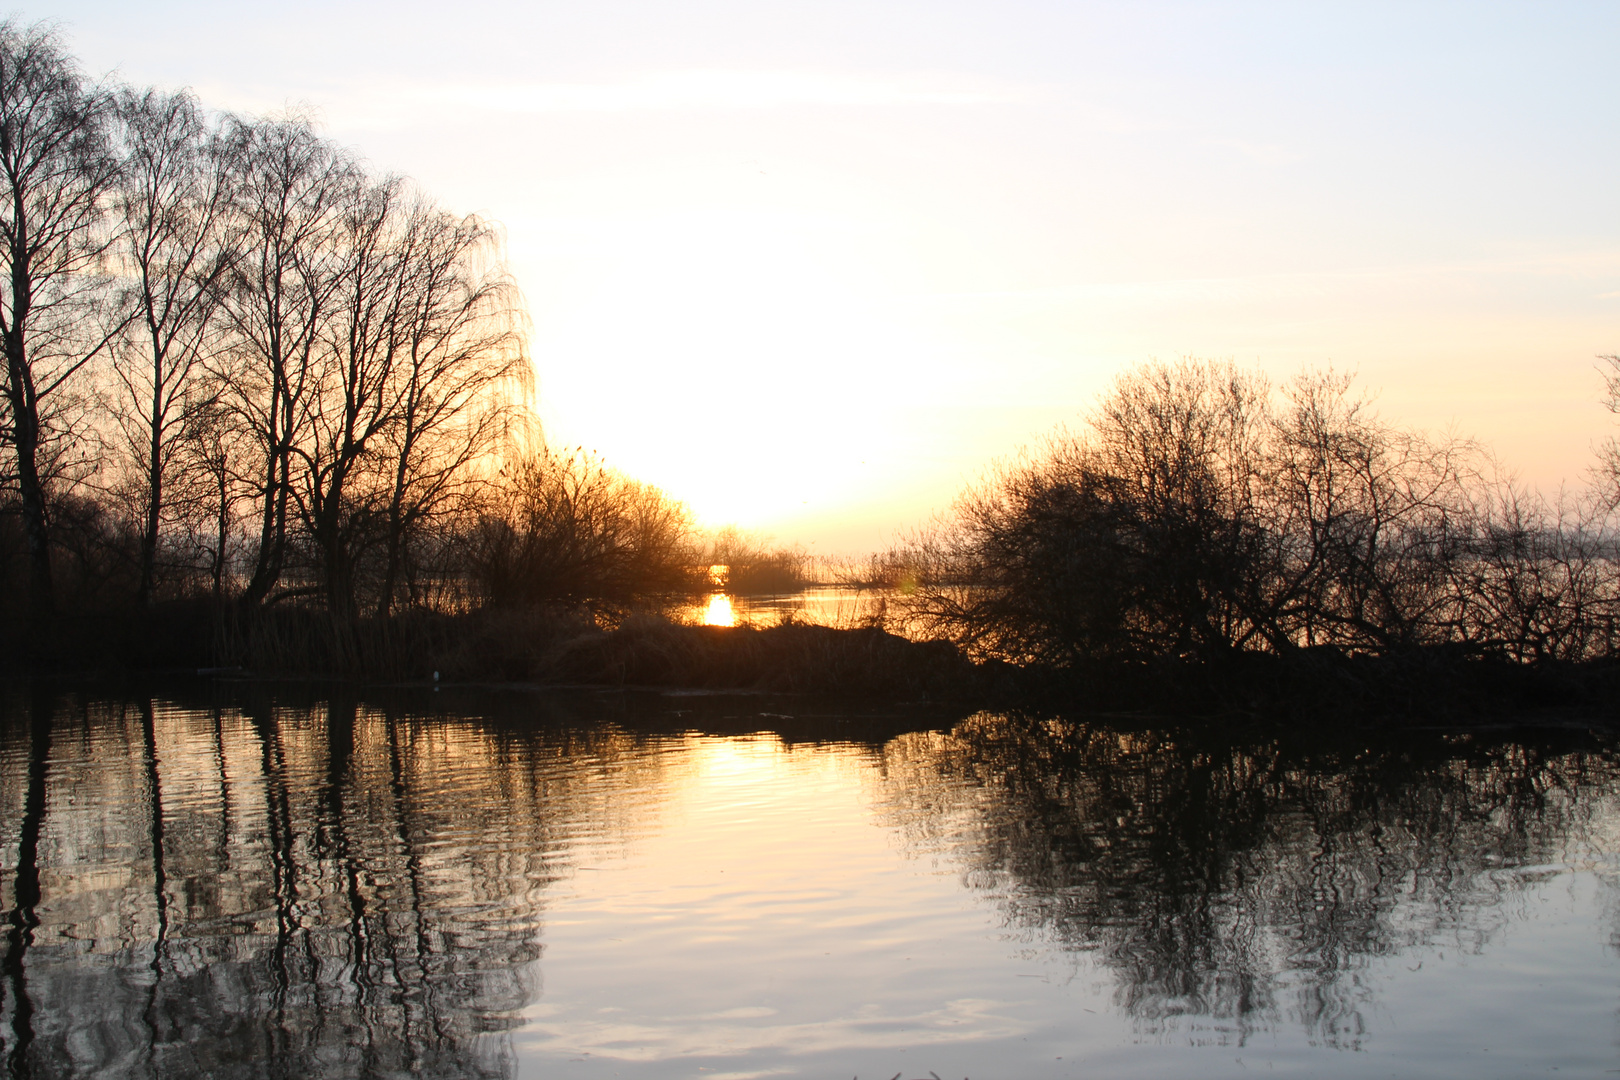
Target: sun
[[733, 354]]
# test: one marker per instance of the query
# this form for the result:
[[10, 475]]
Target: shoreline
[[565, 650]]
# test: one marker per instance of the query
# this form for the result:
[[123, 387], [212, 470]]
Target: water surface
[[824, 605], [269, 880]]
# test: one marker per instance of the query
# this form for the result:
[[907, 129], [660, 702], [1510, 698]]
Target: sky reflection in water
[[660, 886]]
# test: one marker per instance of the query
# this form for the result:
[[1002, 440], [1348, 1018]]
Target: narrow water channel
[[251, 880]]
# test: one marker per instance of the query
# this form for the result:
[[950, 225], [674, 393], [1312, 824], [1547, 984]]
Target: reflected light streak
[[720, 611]]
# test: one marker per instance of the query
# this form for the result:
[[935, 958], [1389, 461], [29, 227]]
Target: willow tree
[[463, 368]]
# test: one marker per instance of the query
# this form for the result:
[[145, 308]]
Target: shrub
[[1199, 514], [565, 527]]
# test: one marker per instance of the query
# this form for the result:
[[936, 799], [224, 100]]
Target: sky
[[810, 267]]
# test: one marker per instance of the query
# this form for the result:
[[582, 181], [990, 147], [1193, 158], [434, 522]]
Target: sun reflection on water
[[720, 612]]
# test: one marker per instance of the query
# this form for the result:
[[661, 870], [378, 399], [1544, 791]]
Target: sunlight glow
[[720, 611], [778, 319], [810, 271]]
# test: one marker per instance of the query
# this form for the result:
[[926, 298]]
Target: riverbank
[[537, 645], [569, 647]]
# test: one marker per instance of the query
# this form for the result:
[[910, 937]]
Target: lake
[[258, 879]]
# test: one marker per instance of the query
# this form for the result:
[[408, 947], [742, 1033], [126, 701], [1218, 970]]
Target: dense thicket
[[1200, 514], [571, 528]]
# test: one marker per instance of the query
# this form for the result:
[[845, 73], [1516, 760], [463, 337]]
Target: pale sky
[[811, 266]]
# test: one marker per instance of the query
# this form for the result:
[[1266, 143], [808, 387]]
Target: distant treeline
[[1200, 514], [241, 366]]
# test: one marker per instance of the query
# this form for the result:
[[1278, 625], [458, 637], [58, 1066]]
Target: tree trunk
[[154, 487], [272, 532], [25, 433]]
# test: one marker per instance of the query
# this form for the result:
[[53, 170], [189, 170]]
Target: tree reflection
[[309, 890], [23, 919], [331, 888], [1249, 883]]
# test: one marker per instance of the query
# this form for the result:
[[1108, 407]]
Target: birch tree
[[174, 212], [57, 170]]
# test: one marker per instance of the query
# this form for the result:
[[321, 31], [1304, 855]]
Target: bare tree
[[355, 394], [413, 382], [292, 189], [1198, 515], [464, 367], [174, 210], [1180, 447], [1141, 534], [57, 168], [1539, 580], [210, 451], [1607, 471], [285, 332], [1375, 520], [563, 526]]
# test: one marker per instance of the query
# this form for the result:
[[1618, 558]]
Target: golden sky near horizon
[[810, 267]]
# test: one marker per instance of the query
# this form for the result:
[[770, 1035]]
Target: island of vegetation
[[266, 410]]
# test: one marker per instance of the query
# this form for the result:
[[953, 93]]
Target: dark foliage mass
[[1199, 515]]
